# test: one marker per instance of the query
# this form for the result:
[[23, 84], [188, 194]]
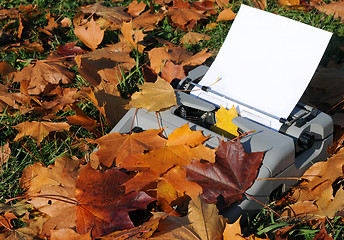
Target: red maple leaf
[[231, 175]]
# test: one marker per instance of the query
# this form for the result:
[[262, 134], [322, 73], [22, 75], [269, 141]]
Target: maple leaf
[[336, 9], [171, 71], [135, 8], [115, 15], [82, 119], [109, 57], [226, 15], [5, 153], [5, 69], [41, 74], [69, 49], [126, 144], [132, 37], [205, 6], [64, 97], [102, 205], [69, 234], [147, 20], [202, 222], [39, 130], [232, 231], [194, 37], [185, 136], [322, 234], [89, 33], [224, 124], [154, 96], [183, 15], [231, 175]]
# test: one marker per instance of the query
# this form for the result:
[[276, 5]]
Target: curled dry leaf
[[39, 130], [231, 175], [226, 15], [69, 49], [147, 21], [89, 33], [132, 37], [202, 222], [171, 71], [114, 15], [154, 96], [135, 8], [194, 37], [335, 8], [82, 119], [5, 153]]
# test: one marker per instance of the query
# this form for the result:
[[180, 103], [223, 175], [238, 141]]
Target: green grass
[[27, 151]]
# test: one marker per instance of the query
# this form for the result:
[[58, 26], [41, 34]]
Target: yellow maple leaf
[[224, 125]]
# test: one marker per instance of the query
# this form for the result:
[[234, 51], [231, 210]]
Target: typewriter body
[[289, 152]]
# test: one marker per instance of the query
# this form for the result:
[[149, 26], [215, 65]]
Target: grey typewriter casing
[[284, 155]]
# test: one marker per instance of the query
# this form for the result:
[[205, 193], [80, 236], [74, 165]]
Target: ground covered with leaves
[[70, 70]]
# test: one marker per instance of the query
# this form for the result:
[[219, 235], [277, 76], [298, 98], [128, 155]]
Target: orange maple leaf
[[89, 33]]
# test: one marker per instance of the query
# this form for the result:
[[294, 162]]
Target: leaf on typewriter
[[154, 96], [231, 175], [126, 144], [171, 71], [202, 222], [224, 124], [184, 135]]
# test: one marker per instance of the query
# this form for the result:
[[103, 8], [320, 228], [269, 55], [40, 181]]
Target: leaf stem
[[52, 197]]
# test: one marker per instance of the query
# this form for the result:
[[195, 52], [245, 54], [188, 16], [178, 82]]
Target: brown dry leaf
[[194, 37], [183, 15], [114, 15], [66, 22], [233, 231], [289, 2], [171, 71], [82, 119], [106, 58], [147, 20], [40, 75], [39, 130], [226, 15], [202, 222], [32, 229], [5, 153], [335, 8], [135, 8], [260, 4], [57, 180], [69, 234], [7, 99], [126, 144], [132, 37], [90, 33], [5, 70], [154, 96], [197, 59], [64, 97], [69, 49], [205, 6]]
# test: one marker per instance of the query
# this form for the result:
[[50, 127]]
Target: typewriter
[[292, 143]]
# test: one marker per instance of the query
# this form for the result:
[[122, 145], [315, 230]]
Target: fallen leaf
[[41, 74], [102, 204], [135, 8], [260, 4], [89, 33], [154, 96], [5, 153], [171, 71], [289, 2], [205, 6], [231, 175], [322, 234], [202, 222], [197, 59], [82, 119], [147, 21], [39, 130], [126, 144], [69, 49], [226, 15], [90, 64], [5, 69], [185, 136], [115, 15], [224, 124], [69, 234], [132, 37], [233, 231], [335, 8], [194, 37]]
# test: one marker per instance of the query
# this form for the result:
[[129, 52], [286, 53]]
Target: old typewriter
[[292, 143]]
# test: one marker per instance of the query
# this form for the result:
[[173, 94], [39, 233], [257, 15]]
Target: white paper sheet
[[266, 62]]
